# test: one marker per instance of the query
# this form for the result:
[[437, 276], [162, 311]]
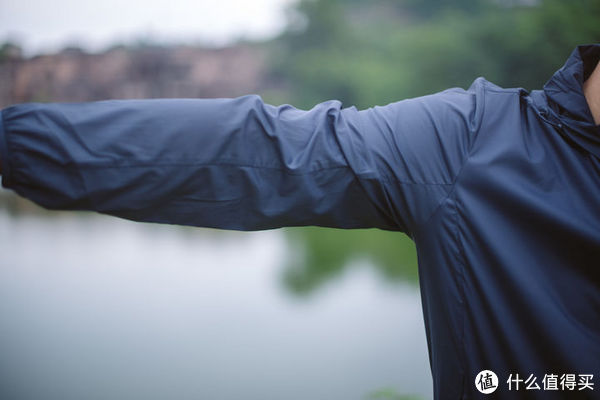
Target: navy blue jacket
[[499, 189]]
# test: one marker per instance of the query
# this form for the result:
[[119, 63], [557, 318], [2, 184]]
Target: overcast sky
[[45, 26]]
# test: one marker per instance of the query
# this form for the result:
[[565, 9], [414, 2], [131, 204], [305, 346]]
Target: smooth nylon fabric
[[499, 189]]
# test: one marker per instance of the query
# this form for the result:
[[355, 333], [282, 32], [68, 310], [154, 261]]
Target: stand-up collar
[[565, 97]]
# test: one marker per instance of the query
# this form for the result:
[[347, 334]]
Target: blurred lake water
[[94, 307]]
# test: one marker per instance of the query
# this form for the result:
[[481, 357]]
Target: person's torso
[[510, 262]]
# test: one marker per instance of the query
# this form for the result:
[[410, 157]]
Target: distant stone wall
[[122, 73]]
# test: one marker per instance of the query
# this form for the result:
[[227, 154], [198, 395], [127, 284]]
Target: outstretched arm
[[225, 163], [237, 163]]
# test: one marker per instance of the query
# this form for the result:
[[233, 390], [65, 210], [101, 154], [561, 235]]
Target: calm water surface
[[94, 307]]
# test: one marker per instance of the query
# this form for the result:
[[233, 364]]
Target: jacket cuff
[[4, 156]]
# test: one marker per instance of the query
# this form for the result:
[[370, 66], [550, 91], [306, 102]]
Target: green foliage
[[325, 253], [9, 50], [390, 394], [367, 53]]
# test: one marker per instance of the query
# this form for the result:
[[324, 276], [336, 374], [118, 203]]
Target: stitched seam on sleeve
[[207, 164]]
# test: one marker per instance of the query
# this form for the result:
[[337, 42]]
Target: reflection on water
[[100, 308], [321, 255]]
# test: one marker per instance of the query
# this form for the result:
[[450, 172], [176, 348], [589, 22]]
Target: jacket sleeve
[[224, 163]]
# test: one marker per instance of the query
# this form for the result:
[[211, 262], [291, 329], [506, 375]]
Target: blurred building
[[138, 72]]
